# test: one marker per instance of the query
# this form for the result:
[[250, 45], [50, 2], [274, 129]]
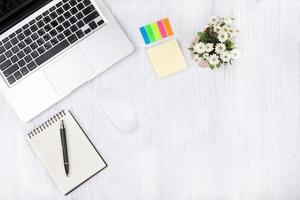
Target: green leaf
[[191, 49], [229, 45], [211, 66]]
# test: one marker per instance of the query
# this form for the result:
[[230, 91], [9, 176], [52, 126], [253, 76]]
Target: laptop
[[48, 48]]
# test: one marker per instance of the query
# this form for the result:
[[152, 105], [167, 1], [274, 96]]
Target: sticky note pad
[[167, 58]]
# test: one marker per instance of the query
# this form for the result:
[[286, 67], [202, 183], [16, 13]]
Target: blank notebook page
[[84, 159]]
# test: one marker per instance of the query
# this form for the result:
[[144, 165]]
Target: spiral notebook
[[84, 159]]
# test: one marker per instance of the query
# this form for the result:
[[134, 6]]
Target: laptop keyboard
[[45, 36]]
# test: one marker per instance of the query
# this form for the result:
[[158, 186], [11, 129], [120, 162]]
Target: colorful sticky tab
[[156, 31], [145, 36], [168, 27]]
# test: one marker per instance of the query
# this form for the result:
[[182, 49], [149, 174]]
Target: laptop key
[[10, 70], [8, 54], [80, 24], [2, 49], [52, 52], [67, 32], [88, 10], [87, 31], [72, 38], [40, 41], [46, 13], [41, 32], [21, 54], [74, 28], [47, 37], [28, 41], [21, 45], [47, 46], [27, 32], [47, 28], [32, 22], [33, 46], [47, 19], [33, 28], [5, 65], [60, 28], [14, 59], [93, 25], [2, 58], [15, 49], [11, 80], [28, 58], [80, 34], [66, 7], [73, 2], [100, 22], [41, 50], [34, 54], [80, 6], [31, 66], [60, 11], [60, 19], [12, 35], [91, 17], [86, 2], [17, 75], [21, 63], [14, 41], [8, 45], [73, 20], [60, 37], [54, 41], [5, 40], [19, 31], [27, 50], [21, 36], [38, 17], [40, 24], [74, 10], [24, 70], [79, 16]]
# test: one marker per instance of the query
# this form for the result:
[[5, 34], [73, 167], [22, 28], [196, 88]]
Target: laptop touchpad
[[69, 72]]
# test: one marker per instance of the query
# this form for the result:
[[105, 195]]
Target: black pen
[[64, 146]]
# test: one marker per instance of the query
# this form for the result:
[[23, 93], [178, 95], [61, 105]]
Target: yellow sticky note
[[167, 58]]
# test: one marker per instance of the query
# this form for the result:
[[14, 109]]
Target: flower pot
[[204, 64]]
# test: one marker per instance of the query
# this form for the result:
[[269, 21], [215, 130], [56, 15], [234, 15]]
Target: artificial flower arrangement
[[215, 46]]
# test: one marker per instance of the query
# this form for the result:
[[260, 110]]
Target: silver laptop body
[[38, 71]]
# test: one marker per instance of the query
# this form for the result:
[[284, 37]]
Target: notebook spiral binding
[[47, 124]]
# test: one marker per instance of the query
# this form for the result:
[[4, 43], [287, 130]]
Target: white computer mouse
[[118, 110]]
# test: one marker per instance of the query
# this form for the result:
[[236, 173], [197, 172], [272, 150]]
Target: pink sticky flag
[[162, 29]]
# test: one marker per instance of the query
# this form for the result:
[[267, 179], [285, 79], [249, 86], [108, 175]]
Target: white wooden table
[[232, 133]]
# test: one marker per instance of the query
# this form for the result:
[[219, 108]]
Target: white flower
[[220, 47], [209, 47], [229, 20], [196, 58], [217, 29], [206, 56], [226, 56], [199, 47], [234, 53], [226, 29], [213, 59], [215, 20], [222, 37]]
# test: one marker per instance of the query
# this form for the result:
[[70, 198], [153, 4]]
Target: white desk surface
[[231, 134]]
